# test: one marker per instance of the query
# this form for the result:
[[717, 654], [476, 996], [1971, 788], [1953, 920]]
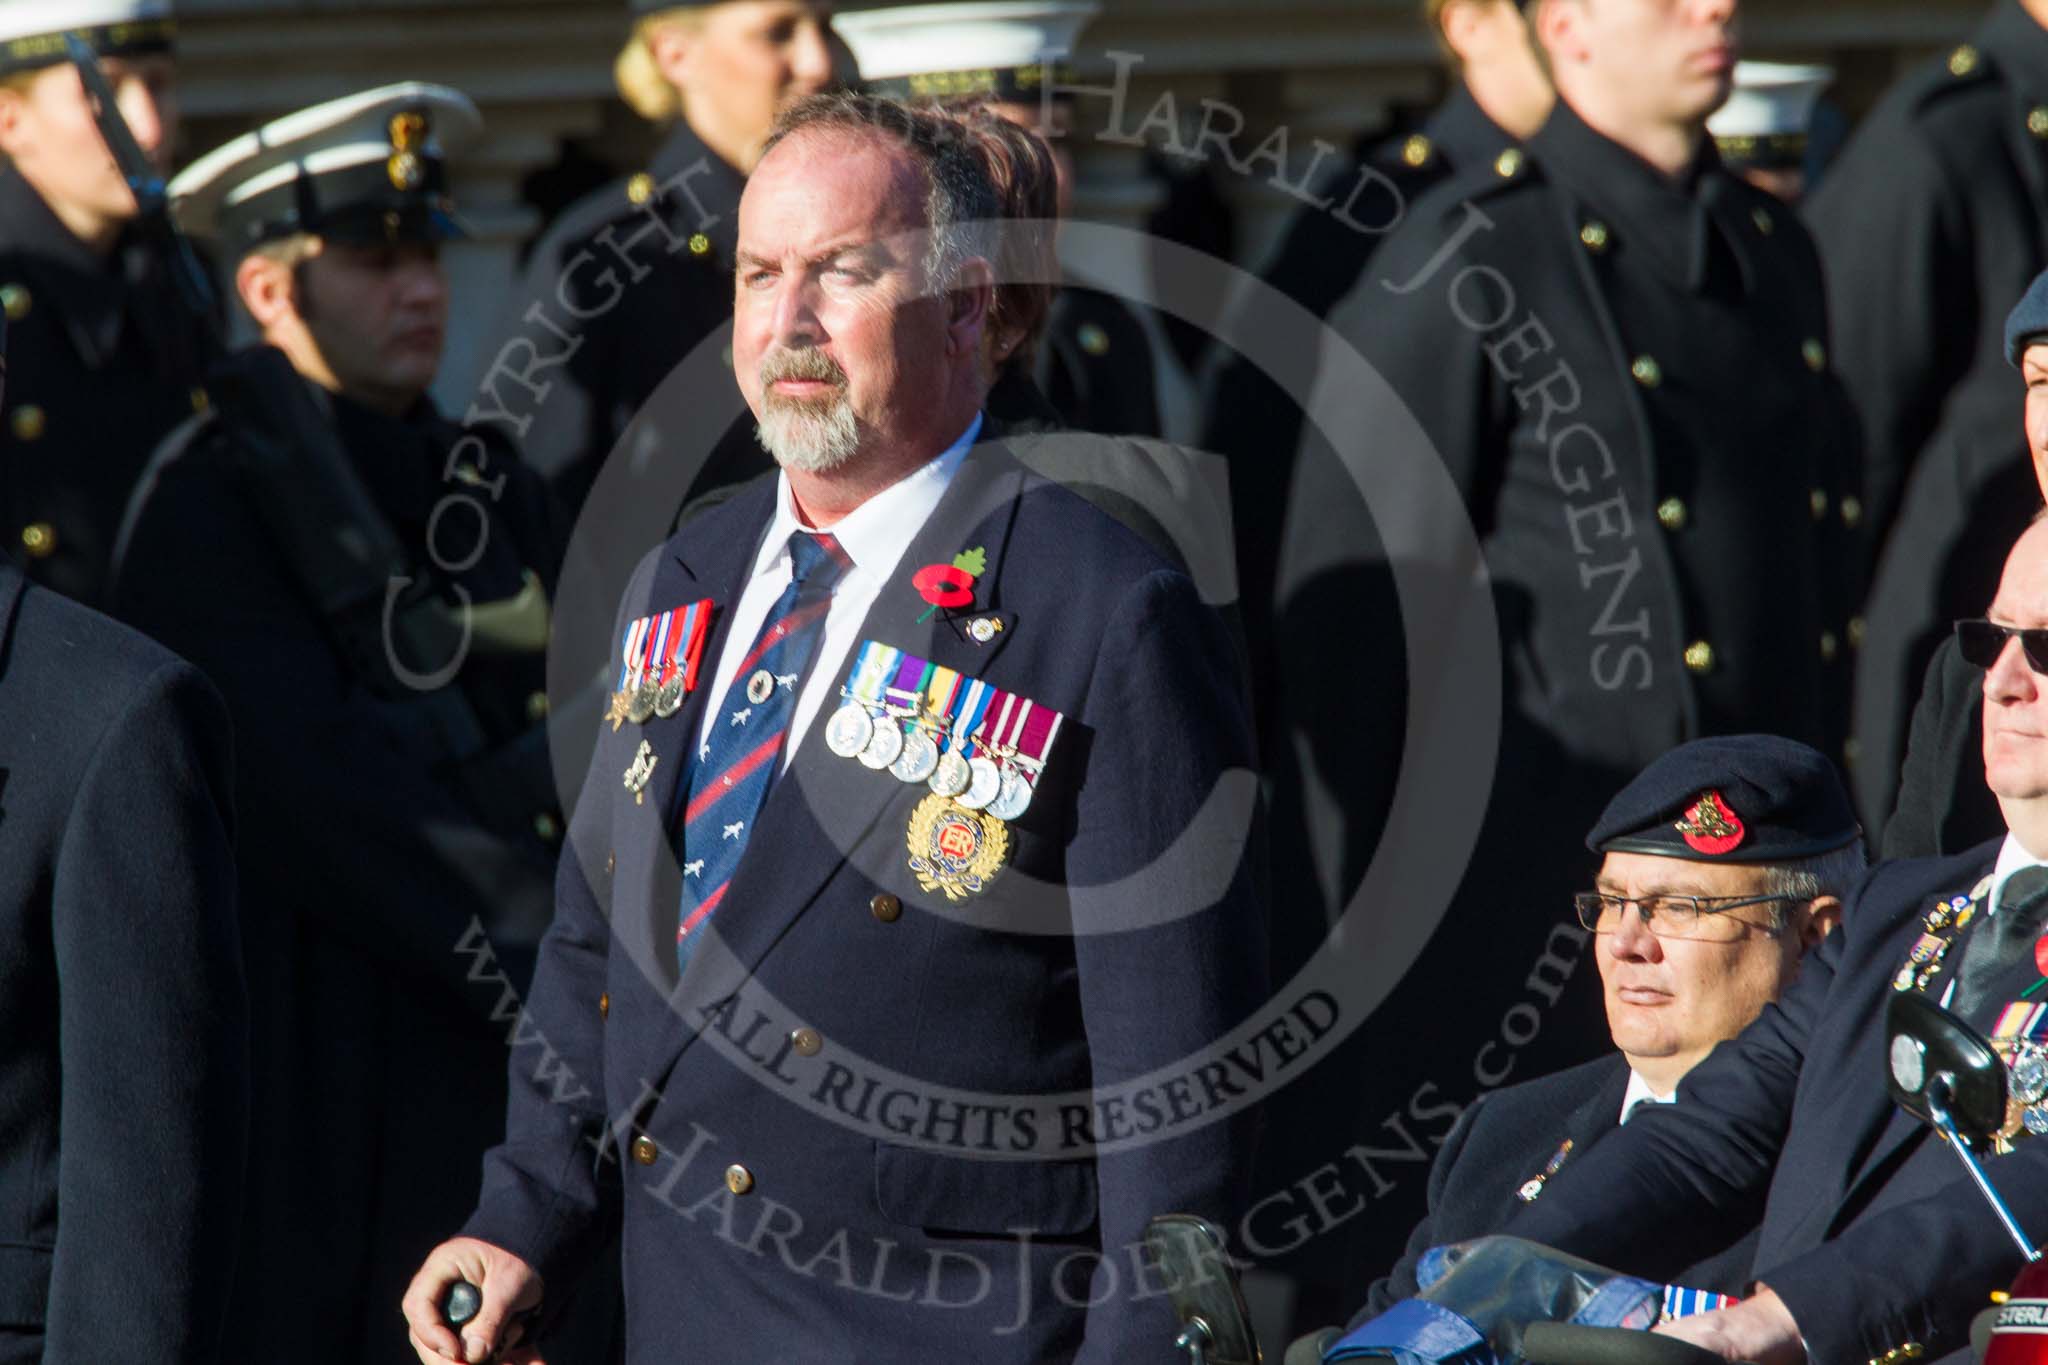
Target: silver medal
[[2030, 1075], [952, 775], [919, 759], [883, 745], [984, 785], [1014, 798], [849, 730]]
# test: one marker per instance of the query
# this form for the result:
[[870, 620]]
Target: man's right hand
[[510, 1286]]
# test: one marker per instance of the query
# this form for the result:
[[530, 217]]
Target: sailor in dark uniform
[[1695, 935], [1931, 223], [1499, 94], [106, 358], [124, 1098], [1607, 358], [369, 587], [1097, 362], [630, 280]]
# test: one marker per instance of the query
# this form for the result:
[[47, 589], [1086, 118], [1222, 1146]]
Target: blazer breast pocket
[[996, 1199]]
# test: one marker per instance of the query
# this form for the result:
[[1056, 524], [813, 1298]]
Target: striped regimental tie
[[738, 761]]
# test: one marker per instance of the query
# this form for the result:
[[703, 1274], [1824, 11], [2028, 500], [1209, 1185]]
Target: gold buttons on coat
[[644, 1150], [29, 422], [1093, 339], [1855, 632], [547, 827], [2037, 121], [1816, 354], [1595, 236], [640, 188], [1699, 657], [805, 1042], [1829, 647], [1671, 514], [611, 863], [700, 245], [1509, 163], [738, 1178], [1852, 512], [886, 908], [1962, 61], [15, 301], [1818, 501], [39, 540], [604, 1005], [536, 706], [1417, 150], [1647, 371], [1765, 224]]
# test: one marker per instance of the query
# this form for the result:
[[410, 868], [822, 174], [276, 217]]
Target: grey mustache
[[802, 363]]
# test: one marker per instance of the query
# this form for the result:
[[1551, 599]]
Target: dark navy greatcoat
[[378, 863], [104, 360], [1944, 806], [1619, 382], [618, 291], [754, 1226], [124, 1076], [1932, 225], [1871, 1232]]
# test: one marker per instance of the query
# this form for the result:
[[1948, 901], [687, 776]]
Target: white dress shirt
[[1639, 1092], [875, 536]]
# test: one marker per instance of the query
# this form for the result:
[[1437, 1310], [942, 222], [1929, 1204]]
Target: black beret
[[1732, 799], [2027, 320]]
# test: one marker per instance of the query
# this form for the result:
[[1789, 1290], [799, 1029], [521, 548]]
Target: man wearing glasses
[[1723, 862], [1872, 1245]]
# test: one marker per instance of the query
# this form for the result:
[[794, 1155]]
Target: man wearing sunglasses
[[1722, 864], [1872, 1244], [1943, 805]]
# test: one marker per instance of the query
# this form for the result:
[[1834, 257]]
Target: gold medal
[[953, 849], [616, 712]]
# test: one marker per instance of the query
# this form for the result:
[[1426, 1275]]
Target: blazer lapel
[[1898, 1131], [824, 806], [714, 564]]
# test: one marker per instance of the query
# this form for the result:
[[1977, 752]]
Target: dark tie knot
[[2023, 902], [816, 561]]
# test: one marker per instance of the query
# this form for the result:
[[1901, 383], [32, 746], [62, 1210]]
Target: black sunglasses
[[1981, 642]]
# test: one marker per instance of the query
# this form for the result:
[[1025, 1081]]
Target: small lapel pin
[[641, 769]]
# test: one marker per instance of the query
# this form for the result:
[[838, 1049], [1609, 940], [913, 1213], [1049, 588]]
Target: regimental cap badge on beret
[[1732, 798], [1710, 827]]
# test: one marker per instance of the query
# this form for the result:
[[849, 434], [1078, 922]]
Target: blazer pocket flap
[[25, 1284], [994, 1198]]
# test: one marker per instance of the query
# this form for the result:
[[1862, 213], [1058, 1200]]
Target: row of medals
[[878, 738], [2026, 1060], [648, 698], [2026, 1069]]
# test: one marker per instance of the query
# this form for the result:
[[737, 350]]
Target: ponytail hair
[[646, 91]]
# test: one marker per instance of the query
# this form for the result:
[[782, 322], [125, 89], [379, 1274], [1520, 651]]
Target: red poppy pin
[[1711, 827], [950, 586]]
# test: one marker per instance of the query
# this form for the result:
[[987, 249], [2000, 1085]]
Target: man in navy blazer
[[1695, 934], [929, 1062], [124, 1074], [1873, 1245]]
